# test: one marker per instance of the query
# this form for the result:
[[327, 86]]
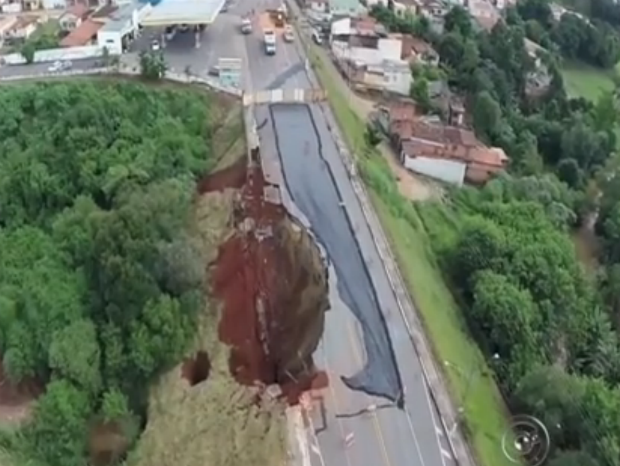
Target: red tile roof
[[82, 34]]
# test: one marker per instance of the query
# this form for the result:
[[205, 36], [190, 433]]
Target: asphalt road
[[365, 339], [39, 69]]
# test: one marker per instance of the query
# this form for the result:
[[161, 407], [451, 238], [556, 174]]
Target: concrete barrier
[[285, 96]]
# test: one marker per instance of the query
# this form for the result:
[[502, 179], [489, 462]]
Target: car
[[61, 66], [317, 37], [214, 71], [184, 27], [155, 45]]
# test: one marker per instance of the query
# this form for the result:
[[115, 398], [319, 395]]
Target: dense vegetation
[[99, 280], [505, 249]]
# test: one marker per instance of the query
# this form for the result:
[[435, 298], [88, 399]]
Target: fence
[[52, 55]]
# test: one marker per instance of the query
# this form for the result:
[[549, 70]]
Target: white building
[[122, 27]]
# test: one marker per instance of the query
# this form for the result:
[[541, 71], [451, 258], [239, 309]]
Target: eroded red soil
[[16, 399], [269, 290]]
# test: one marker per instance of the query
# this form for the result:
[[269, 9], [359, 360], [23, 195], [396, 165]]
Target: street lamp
[[474, 371]]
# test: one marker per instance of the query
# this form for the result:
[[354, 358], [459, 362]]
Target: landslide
[[272, 281], [263, 319]]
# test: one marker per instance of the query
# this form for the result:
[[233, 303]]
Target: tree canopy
[[506, 249], [100, 282]]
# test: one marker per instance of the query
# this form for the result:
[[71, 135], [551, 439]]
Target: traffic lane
[[280, 71], [391, 427], [421, 415], [336, 356], [36, 69], [309, 182]]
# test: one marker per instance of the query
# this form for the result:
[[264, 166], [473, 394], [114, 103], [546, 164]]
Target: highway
[[365, 343]]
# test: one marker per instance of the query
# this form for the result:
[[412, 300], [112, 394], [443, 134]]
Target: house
[[447, 153], [484, 13], [84, 34], [22, 28], [12, 7], [73, 17], [418, 51], [120, 29], [6, 23], [384, 76]]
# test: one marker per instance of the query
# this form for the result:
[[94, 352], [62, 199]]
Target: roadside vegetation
[[493, 271], [102, 262]]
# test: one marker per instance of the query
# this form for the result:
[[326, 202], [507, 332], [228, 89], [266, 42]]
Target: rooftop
[[490, 156], [82, 34], [183, 12], [104, 11], [119, 19], [79, 11]]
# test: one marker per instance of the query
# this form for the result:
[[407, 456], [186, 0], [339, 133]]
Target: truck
[[246, 26], [270, 42], [289, 36]]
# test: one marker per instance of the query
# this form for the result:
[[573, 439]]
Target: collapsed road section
[[311, 185], [273, 284]]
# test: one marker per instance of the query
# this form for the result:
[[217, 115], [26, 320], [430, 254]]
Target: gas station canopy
[[170, 12]]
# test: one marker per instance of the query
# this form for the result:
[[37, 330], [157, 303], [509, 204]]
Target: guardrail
[[432, 376]]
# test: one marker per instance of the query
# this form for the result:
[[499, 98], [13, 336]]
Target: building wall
[[398, 82], [112, 40], [449, 171], [12, 7], [52, 55], [54, 4], [387, 49]]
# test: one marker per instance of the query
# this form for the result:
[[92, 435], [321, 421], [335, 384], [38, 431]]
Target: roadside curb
[[128, 71], [433, 377]]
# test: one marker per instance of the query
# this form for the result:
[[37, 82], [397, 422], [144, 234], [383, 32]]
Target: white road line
[[439, 431], [447, 454]]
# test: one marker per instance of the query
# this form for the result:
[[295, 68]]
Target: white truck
[[270, 42], [246, 26]]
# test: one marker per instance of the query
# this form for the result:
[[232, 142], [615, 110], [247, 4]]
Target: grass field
[[586, 81], [484, 411]]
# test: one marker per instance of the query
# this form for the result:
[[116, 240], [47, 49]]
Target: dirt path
[[410, 185]]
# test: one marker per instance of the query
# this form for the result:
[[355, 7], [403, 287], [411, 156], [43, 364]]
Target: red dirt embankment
[[273, 284]]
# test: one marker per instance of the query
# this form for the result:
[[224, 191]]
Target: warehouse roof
[[169, 12]]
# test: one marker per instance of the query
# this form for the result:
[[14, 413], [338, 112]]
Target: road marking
[[447, 454], [373, 415], [439, 431], [335, 399]]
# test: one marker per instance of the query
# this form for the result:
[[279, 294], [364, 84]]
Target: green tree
[[59, 427], [152, 65], [74, 353]]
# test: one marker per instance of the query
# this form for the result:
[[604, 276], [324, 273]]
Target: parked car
[[214, 71], [60, 66], [317, 37], [155, 46]]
